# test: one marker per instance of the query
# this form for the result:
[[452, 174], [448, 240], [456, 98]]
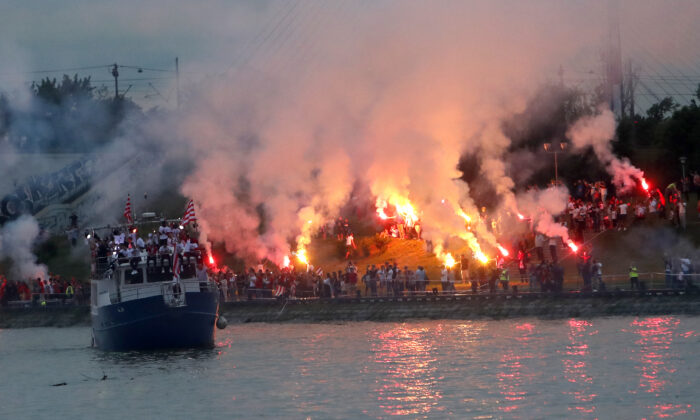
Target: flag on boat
[[279, 291], [127, 209], [189, 213], [176, 267]]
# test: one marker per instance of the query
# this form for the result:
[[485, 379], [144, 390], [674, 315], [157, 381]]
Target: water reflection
[[576, 366], [407, 368], [513, 376], [654, 362]]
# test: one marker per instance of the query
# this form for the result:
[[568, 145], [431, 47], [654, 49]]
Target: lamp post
[[684, 186], [556, 149]]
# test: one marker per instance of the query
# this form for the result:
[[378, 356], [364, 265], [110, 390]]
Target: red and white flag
[[279, 291], [176, 267], [127, 209], [189, 214]]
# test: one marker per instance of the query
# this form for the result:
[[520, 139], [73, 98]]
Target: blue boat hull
[[148, 324]]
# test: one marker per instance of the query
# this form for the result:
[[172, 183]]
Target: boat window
[[133, 276]]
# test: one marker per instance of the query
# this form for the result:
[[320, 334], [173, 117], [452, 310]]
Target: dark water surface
[[622, 367]]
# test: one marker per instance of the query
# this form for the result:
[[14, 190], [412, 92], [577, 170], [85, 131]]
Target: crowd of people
[[592, 208], [39, 291], [157, 249]]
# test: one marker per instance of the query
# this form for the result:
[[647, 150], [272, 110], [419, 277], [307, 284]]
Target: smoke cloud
[[386, 94], [597, 132], [17, 239]]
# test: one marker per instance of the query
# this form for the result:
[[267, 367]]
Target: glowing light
[[309, 222], [521, 217], [285, 261], [464, 215], [481, 257], [211, 260], [645, 185], [503, 251], [403, 207], [301, 256], [182, 227], [408, 212], [573, 246], [449, 260]]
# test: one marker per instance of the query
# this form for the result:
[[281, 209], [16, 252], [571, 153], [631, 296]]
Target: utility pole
[[177, 82], [115, 73], [631, 86], [614, 88]]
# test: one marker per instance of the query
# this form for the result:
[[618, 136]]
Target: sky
[[213, 37]]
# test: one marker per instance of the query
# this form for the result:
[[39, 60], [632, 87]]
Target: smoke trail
[[597, 132]]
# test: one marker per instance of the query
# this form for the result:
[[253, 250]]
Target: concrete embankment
[[464, 307], [498, 306], [49, 316]]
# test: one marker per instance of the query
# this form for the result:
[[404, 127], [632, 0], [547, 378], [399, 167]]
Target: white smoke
[[17, 240], [597, 132], [543, 206]]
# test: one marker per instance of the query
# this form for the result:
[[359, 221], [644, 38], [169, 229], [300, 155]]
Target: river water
[[622, 367]]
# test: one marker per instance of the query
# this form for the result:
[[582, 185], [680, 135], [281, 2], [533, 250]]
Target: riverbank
[[499, 306]]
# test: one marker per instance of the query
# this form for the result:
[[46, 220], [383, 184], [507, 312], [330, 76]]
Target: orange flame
[[301, 256], [408, 212], [449, 260], [481, 257], [503, 251]]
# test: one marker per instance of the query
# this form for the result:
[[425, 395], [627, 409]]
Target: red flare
[[573, 246], [521, 217], [211, 260], [645, 185], [504, 251]]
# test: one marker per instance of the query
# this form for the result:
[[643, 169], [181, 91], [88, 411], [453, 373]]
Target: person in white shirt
[[622, 220], [554, 242], [163, 232]]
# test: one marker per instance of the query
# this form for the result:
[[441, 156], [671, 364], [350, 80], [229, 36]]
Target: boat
[[145, 303]]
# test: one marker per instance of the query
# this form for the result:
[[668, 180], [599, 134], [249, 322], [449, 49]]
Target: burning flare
[[503, 251], [481, 257], [403, 208], [645, 185], [285, 261], [573, 246], [211, 260], [301, 256], [449, 260]]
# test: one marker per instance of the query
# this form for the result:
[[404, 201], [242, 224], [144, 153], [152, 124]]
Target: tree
[[658, 111]]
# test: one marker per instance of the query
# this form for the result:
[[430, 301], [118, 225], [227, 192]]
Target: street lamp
[[683, 160], [548, 147], [684, 187]]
